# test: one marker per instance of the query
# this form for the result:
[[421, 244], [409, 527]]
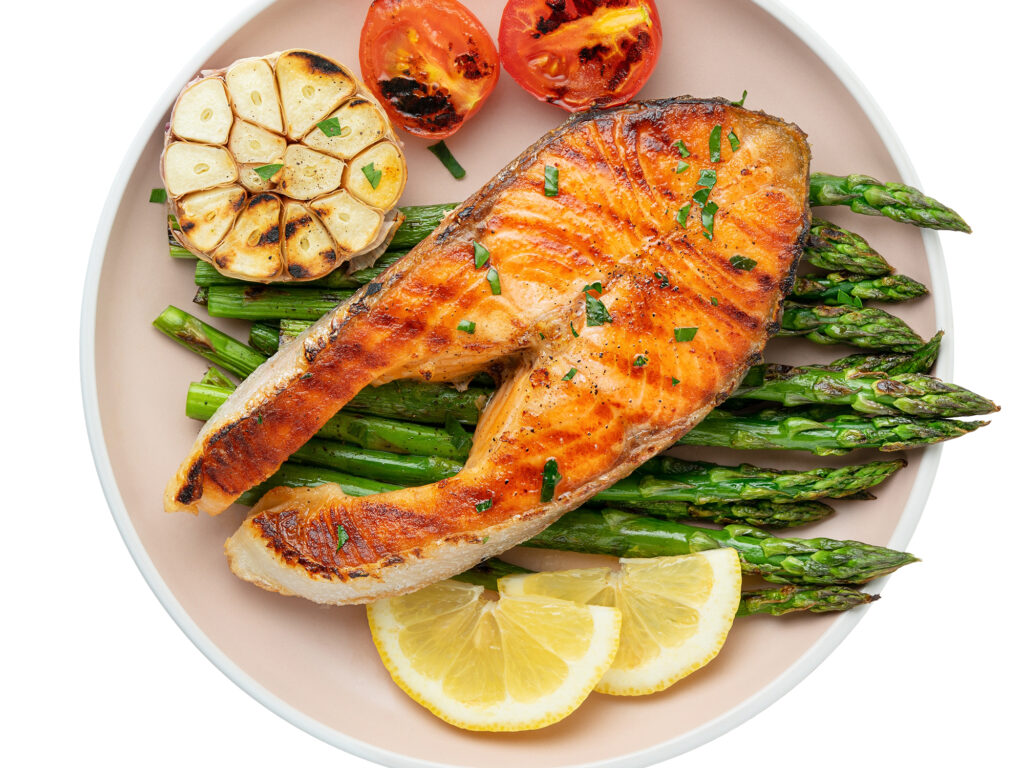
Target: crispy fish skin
[[636, 389]]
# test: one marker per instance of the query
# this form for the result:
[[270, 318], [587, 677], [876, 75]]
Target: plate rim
[[711, 730]]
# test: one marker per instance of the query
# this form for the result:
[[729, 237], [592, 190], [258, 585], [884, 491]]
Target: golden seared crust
[[636, 390]]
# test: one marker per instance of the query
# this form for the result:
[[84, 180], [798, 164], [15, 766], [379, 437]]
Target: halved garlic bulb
[[282, 167]]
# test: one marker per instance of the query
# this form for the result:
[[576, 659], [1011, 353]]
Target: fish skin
[[612, 221]]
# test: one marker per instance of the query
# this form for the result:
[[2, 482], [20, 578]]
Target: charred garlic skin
[[282, 168]]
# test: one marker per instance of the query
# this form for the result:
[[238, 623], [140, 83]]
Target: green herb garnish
[[701, 196], [685, 334], [372, 174], [158, 195], [640, 362], [550, 181], [342, 537], [494, 280], [714, 302], [595, 286], [715, 144], [330, 126], [708, 178], [480, 254], [742, 101], [266, 172], [569, 375], [681, 216], [442, 153], [466, 325], [675, 381], [597, 312], [483, 506], [742, 262], [662, 277], [461, 439], [734, 140], [549, 480], [306, 375], [575, 333], [683, 151], [707, 220], [682, 166]]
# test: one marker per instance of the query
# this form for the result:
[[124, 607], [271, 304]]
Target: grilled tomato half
[[430, 62], [580, 53]]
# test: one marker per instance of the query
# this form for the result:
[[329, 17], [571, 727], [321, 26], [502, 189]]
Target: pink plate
[[316, 666]]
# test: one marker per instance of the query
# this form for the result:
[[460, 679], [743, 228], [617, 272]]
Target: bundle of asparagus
[[409, 433]]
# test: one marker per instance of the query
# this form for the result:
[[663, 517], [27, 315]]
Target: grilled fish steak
[[434, 315]]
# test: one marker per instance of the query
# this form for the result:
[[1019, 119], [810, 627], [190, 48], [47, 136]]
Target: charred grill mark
[[317, 65], [298, 271], [427, 104], [471, 65], [192, 489]]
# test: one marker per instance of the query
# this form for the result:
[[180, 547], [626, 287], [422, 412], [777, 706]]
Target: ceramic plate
[[316, 666]]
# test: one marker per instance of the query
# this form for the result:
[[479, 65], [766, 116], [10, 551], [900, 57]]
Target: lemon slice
[[676, 612], [515, 664]]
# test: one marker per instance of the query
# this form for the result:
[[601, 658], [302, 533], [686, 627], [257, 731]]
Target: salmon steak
[[618, 279]]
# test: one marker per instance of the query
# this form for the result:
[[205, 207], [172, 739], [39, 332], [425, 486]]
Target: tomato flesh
[[430, 62], [580, 53]]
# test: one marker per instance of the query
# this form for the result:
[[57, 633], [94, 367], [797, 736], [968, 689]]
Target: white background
[[94, 669]]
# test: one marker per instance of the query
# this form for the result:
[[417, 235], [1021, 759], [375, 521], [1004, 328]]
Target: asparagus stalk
[[400, 469], [263, 338], [915, 394], [821, 434], [921, 360], [864, 194], [420, 221], [767, 602], [867, 328], [843, 288], [817, 561], [832, 248], [215, 377], [205, 340], [264, 302], [764, 514]]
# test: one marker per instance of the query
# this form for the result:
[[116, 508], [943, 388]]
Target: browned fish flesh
[[593, 382]]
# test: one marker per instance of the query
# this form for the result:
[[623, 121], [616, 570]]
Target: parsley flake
[[550, 181], [342, 537], [715, 144], [714, 302], [569, 375], [675, 381], [595, 286], [640, 362], [306, 375], [549, 480], [682, 166], [483, 506], [466, 325], [708, 178], [575, 333], [707, 220], [158, 195], [742, 101], [597, 312], [480, 254], [701, 196], [372, 174], [742, 262], [662, 277], [442, 153], [266, 172], [495, 281], [683, 215], [683, 151], [330, 127], [734, 140], [685, 334]]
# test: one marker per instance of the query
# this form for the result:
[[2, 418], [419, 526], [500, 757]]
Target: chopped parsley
[[442, 153], [480, 254], [372, 174], [569, 375], [742, 101], [495, 281], [158, 195], [683, 151], [707, 220], [597, 313], [342, 537], [714, 302], [685, 334], [462, 441], [483, 506], [575, 333], [306, 375], [734, 140], [330, 127], [708, 178], [641, 361], [266, 172], [715, 144], [595, 286], [662, 277], [682, 166], [466, 325], [742, 262], [549, 480], [550, 181], [681, 217], [675, 381], [701, 196]]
